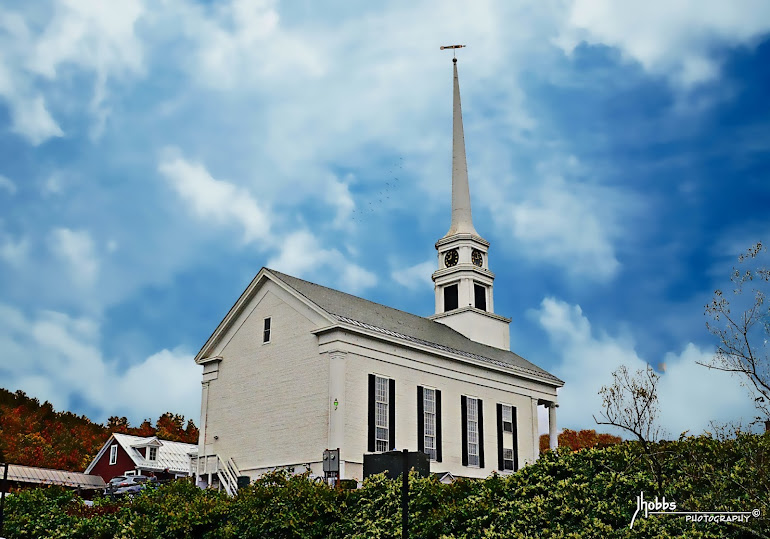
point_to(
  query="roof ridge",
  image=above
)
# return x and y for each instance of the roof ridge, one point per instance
(352, 296)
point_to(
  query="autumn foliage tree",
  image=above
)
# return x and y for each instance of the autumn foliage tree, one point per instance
(35, 434)
(583, 439)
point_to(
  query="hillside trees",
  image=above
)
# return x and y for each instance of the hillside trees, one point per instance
(741, 321)
(583, 439)
(35, 434)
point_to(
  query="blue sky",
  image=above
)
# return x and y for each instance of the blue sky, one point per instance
(155, 155)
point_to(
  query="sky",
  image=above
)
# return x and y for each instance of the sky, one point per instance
(155, 155)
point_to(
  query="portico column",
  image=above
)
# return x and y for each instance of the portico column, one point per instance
(337, 360)
(535, 432)
(554, 438)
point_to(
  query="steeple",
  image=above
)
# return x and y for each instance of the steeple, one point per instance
(463, 282)
(462, 221)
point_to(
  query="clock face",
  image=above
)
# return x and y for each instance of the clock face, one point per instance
(477, 258)
(451, 258)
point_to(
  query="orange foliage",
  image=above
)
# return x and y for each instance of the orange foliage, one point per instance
(577, 440)
(34, 434)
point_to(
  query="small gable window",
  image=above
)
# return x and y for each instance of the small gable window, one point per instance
(152, 453)
(266, 331)
(113, 454)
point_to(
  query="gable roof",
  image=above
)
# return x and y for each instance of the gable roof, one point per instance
(171, 456)
(360, 312)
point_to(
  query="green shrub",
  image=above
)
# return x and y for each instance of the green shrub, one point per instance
(590, 493)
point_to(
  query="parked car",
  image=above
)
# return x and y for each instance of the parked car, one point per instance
(131, 484)
(113, 483)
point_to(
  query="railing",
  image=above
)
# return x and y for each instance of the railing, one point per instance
(228, 475)
(227, 472)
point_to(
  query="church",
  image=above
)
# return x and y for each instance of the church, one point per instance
(296, 368)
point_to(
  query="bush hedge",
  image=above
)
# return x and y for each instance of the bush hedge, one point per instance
(589, 493)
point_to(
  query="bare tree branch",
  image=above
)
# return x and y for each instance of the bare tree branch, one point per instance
(743, 340)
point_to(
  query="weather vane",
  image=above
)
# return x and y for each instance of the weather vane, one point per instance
(455, 47)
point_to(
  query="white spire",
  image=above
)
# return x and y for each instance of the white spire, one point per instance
(462, 222)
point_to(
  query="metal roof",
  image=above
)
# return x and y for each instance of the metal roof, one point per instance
(47, 476)
(171, 456)
(389, 321)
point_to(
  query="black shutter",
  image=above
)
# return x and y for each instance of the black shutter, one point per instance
(500, 458)
(392, 415)
(464, 417)
(438, 426)
(515, 440)
(371, 414)
(481, 434)
(420, 421)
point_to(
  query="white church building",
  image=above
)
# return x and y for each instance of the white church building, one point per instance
(296, 368)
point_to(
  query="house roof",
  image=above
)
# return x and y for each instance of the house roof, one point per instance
(367, 314)
(47, 476)
(172, 456)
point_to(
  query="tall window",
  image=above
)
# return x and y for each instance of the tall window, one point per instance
(152, 453)
(473, 432)
(480, 296)
(381, 413)
(266, 331)
(429, 417)
(429, 422)
(450, 298)
(472, 416)
(507, 452)
(113, 454)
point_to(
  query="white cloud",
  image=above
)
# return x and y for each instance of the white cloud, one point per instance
(243, 41)
(7, 184)
(337, 194)
(53, 185)
(417, 276)
(32, 119)
(95, 37)
(77, 249)
(300, 253)
(674, 39)
(356, 279)
(213, 200)
(568, 224)
(13, 251)
(56, 357)
(690, 395)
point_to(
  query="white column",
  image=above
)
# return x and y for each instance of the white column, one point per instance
(535, 432)
(337, 395)
(554, 438)
(202, 422)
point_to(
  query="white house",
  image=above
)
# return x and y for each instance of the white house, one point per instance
(295, 368)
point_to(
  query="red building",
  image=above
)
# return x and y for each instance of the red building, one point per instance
(124, 454)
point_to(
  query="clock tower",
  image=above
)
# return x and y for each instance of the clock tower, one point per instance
(463, 281)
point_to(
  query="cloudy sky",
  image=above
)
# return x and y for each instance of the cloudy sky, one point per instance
(155, 155)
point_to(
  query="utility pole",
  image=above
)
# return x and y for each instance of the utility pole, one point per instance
(405, 496)
(3, 488)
